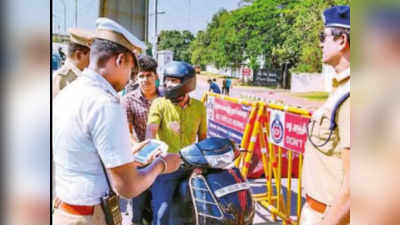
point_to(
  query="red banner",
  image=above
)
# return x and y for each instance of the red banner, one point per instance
(226, 119)
(246, 71)
(295, 132)
(288, 131)
(230, 114)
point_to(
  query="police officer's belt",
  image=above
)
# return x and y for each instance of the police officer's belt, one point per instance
(316, 205)
(82, 210)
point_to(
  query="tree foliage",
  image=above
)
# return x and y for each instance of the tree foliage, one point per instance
(282, 32)
(178, 42)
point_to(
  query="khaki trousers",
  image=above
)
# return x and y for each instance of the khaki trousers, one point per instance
(60, 217)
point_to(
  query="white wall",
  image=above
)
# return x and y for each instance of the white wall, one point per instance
(224, 71)
(306, 82)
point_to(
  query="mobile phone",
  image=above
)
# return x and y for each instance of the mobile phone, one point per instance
(152, 148)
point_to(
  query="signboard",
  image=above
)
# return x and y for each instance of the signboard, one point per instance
(131, 14)
(263, 77)
(295, 132)
(276, 127)
(246, 71)
(226, 119)
(288, 130)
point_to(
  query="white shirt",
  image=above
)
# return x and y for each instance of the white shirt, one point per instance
(88, 121)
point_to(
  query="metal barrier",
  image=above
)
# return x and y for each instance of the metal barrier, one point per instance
(257, 130)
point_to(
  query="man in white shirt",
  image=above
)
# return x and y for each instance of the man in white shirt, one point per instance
(90, 127)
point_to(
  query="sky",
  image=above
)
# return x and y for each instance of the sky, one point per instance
(192, 15)
(87, 13)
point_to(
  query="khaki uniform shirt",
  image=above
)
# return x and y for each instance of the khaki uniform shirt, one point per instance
(323, 168)
(64, 76)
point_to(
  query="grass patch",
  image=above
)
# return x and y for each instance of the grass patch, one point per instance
(252, 84)
(216, 75)
(314, 95)
(245, 84)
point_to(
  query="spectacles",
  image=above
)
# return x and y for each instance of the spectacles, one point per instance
(323, 35)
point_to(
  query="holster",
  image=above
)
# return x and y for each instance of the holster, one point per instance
(110, 203)
(112, 212)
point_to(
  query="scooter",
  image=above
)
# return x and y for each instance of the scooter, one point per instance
(214, 192)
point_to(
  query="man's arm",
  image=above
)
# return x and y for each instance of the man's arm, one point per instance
(202, 136)
(129, 182)
(110, 135)
(134, 138)
(202, 133)
(154, 119)
(151, 130)
(339, 213)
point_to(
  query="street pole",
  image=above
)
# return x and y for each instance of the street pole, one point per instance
(76, 13)
(146, 21)
(54, 24)
(155, 30)
(65, 16)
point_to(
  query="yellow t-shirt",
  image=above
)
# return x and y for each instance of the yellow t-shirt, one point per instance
(178, 127)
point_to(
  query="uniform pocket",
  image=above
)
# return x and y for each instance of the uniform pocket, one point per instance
(322, 137)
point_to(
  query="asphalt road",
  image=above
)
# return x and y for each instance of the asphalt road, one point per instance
(263, 94)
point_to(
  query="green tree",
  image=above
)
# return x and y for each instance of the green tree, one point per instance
(198, 48)
(149, 50)
(282, 32)
(178, 42)
(302, 23)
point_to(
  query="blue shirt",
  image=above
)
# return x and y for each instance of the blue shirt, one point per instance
(214, 87)
(55, 61)
(228, 83)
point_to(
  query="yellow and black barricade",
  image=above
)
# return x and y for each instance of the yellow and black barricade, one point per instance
(264, 131)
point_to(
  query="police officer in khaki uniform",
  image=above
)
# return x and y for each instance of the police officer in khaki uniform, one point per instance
(77, 59)
(91, 129)
(327, 151)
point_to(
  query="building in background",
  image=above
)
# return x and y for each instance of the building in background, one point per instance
(132, 14)
(164, 57)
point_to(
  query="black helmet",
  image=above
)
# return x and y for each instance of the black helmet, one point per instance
(183, 71)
